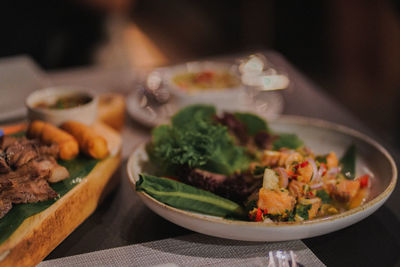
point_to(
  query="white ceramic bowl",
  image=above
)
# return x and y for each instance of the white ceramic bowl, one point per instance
(86, 113)
(210, 95)
(321, 137)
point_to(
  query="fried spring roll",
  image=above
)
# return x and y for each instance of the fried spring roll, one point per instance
(89, 142)
(49, 134)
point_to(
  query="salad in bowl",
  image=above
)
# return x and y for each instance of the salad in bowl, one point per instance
(232, 165)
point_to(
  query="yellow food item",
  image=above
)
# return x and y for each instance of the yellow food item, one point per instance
(331, 160)
(49, 134)
(270, 180)
(89, 141)
(359, 198)
(111, 110)
(203, 80)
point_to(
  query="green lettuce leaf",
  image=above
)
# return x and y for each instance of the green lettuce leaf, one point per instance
(190, 116)
(254, 123)
(195, 140)
(186, 197)
(286, 140)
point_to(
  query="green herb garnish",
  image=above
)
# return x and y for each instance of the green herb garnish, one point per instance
(321, 159)
(324, 196)
(302, 211)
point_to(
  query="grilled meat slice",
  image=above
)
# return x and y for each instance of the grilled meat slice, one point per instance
(41, 168)
(5, 183)
(58, 173)
(25, 190)
(4, 168)
(6, 140)
(48, 168)
(49, 150)
(19, 154)
(23, 150)
(5, 206)
(26, 167)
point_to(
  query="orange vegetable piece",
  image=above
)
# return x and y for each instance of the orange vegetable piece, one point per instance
(344, 190)
(359, 198)
(305, 172)
(275, 201)
(331, 160)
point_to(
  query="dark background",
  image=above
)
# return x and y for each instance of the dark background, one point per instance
(350, 48)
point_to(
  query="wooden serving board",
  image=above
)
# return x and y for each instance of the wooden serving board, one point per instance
(38, 235)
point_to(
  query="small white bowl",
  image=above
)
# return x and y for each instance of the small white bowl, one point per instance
(209, 95)
(86, 113)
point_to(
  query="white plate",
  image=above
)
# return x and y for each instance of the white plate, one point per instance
(199, 66)
(321, 137)
(19, 76)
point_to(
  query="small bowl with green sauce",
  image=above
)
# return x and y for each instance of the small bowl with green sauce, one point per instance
(59, 104)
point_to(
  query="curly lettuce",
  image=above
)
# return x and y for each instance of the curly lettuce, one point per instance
(195, 140)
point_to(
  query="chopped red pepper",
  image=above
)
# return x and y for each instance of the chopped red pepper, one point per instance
(290, 173)
(265, 211)
(323, 165)
(259, 216)
(205, 76)
(363, 180)
(311, 193)
(304, 164)
(301, 165)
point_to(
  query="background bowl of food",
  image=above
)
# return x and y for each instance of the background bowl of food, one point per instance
(59, 104)
(204, 82)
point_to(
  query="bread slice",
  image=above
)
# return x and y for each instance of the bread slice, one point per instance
(38, 235)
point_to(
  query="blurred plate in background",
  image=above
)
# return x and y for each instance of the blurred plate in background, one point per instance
(266, 104)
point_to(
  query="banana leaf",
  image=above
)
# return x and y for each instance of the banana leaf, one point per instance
(78, 168)
(186, 197)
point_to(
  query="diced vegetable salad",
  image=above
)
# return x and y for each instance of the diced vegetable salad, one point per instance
(232, 165)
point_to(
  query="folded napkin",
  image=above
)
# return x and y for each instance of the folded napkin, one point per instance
(189, 250)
